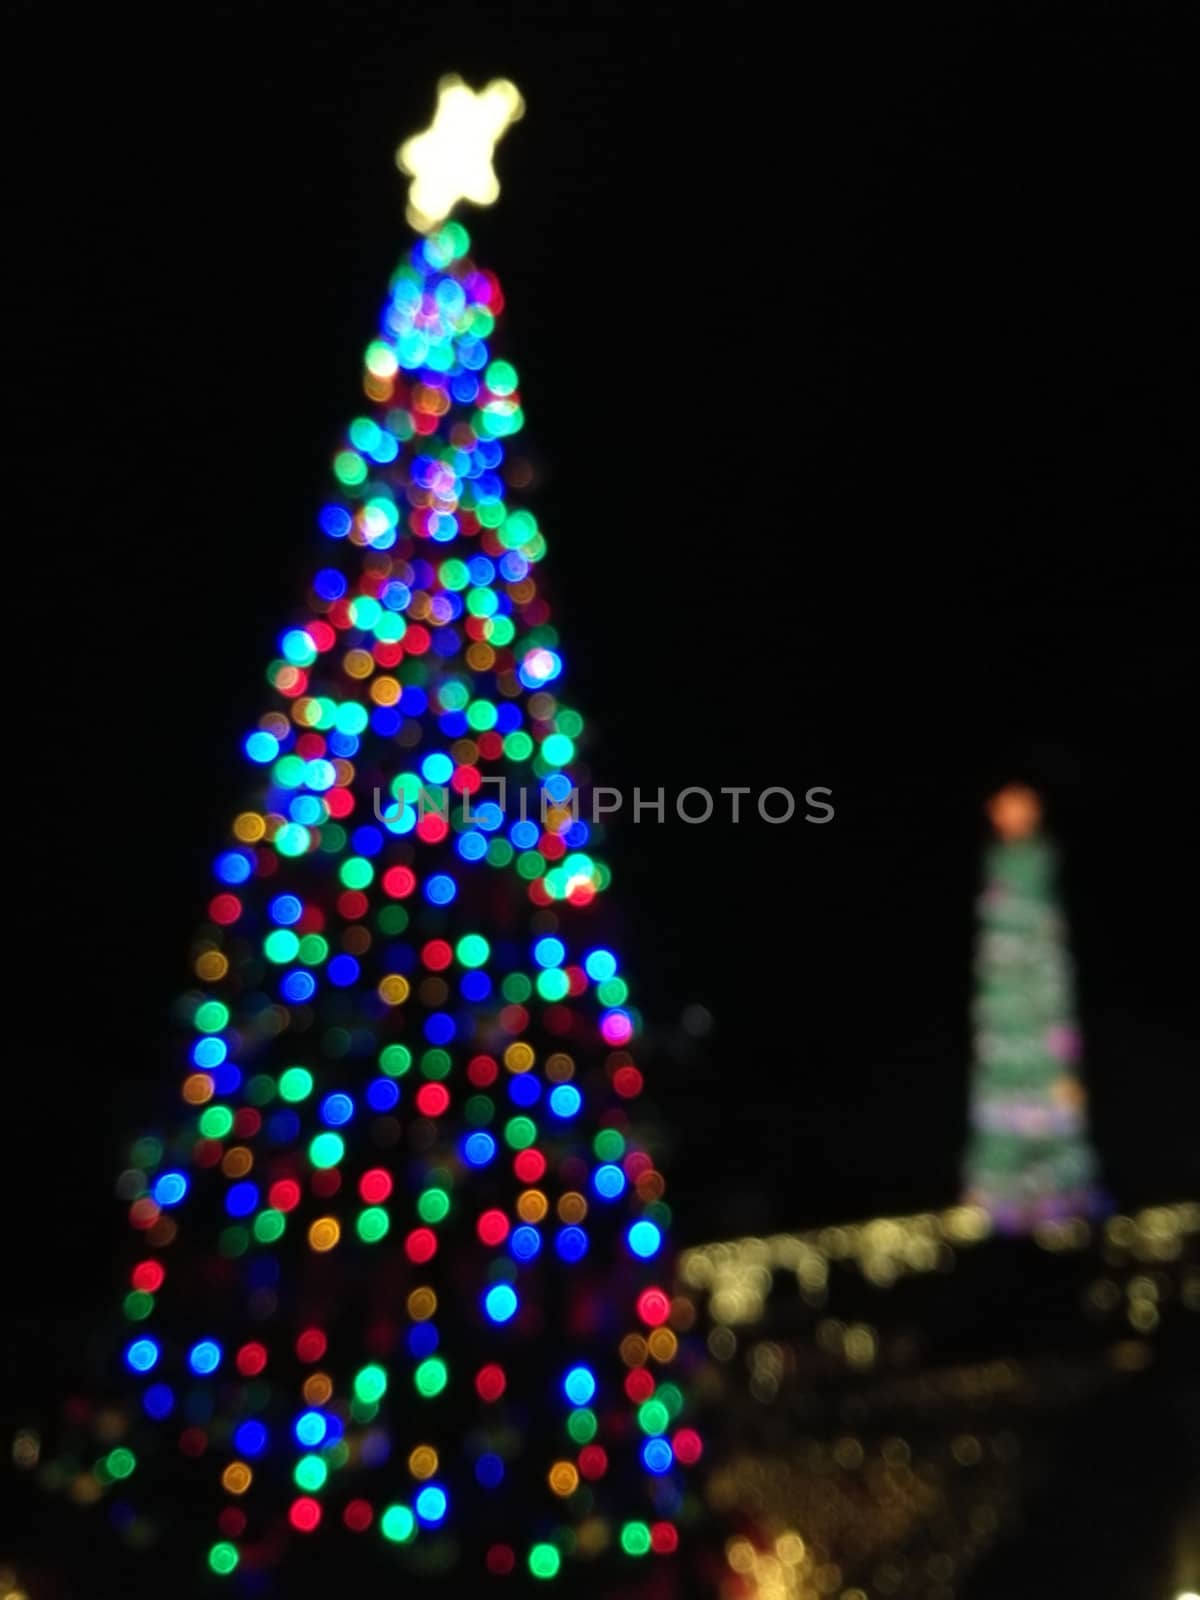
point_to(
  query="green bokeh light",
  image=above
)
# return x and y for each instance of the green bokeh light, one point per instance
(431, 1377)
(370, 1384)
(544, 1561)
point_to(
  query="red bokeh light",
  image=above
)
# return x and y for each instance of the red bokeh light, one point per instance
(490, 1382)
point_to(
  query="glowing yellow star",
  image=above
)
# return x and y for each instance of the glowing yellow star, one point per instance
(452, 159)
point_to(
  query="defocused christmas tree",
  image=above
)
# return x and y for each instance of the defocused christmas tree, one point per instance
(1028, 1159)
(401, 1271)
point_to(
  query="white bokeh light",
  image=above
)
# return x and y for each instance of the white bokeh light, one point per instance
(452, 159)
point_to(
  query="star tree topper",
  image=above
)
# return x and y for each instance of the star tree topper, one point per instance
(452, 159)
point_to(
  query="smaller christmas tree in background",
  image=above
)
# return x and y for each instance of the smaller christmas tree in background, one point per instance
(1029, 1159)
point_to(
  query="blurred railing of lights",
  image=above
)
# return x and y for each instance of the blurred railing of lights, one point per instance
(737, 1275)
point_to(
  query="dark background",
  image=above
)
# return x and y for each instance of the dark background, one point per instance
(854, 361)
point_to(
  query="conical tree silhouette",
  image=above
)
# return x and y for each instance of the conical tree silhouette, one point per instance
(1028, 1157)
(400, 1270)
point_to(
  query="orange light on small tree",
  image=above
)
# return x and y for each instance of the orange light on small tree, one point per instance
(1015, 812)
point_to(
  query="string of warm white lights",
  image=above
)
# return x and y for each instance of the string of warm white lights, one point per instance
(863, 1469)
(736, 1276)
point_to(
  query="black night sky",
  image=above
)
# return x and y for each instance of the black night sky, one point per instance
(854, 363)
